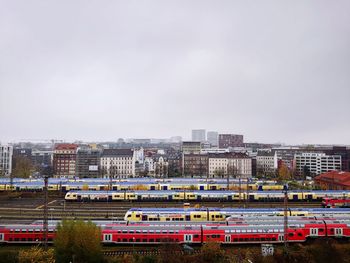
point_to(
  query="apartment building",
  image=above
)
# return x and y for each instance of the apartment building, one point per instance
(118, 163)
(234, 164)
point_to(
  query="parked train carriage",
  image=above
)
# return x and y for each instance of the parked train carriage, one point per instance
(338, 229)
(152, 234)
(25, 234)
(151, 196)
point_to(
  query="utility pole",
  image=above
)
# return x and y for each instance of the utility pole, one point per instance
(285, 219)
(45, 222)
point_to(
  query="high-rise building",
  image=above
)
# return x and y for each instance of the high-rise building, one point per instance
(198, 135)
(64, 160)
(213, 138)
(230, 140)
(6, 152)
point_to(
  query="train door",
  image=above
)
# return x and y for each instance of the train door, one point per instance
(107, 237)
(201, 187)
(314, 232)
(144, 218)
(165, 187)
(170, 198)
(227, 238)
(153, 187)
(295, 197)
(280, 238)
(1, 237)
(338, 232)
(188, 238)
(308, 197)
(188, 217)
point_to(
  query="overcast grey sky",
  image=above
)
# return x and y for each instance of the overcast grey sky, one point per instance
(275, 71)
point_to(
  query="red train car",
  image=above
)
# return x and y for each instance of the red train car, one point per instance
(262, 232)
(335, 203)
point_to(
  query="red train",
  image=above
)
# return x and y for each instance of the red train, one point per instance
(264, 232)
(335, 203)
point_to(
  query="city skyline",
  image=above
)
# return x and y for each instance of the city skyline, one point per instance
(272, 71)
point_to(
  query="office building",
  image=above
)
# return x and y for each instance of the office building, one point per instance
(6, 153)
(230, 140)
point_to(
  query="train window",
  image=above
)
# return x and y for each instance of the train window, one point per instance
(273, 239)
(17, 230)
(300, 234)
(16, 239)
(144, 231)
(118, 239)
(24, 230)
(157, 231)
(125, 240)
(10, 239)
(131, 239)
(164, 231)
(320, 230)
(23, 239)
(131, 231)
(291, 234)
(138, 231)
(151, 240)
(119, 231)
(196, 236)
(125, 231)
(137, 215)
(144, 240)
(31, 239)
(157, 240)
(167, 219)
(151, 231)
(171, 231)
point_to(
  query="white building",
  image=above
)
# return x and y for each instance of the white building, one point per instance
(266, 161)
(317, 163)
(6, 152)
(118, 162)
(234, 164)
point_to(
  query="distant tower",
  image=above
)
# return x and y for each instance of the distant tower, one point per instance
(198, 135)
(213, 138)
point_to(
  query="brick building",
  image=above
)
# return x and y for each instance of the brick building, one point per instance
(333, 180)
(195, 164)
(64, 160)
(230, 140)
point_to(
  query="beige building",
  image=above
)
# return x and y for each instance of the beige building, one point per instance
(234, 164)
(118, 163)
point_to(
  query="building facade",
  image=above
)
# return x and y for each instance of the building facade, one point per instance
(191, 147)
(195, 164)
(64, 160)
(88, 162)
(198, 135)
(6, 153)
(118, 163)
(266, 162)
(230, 140)
(233, 164)
(317, 163)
